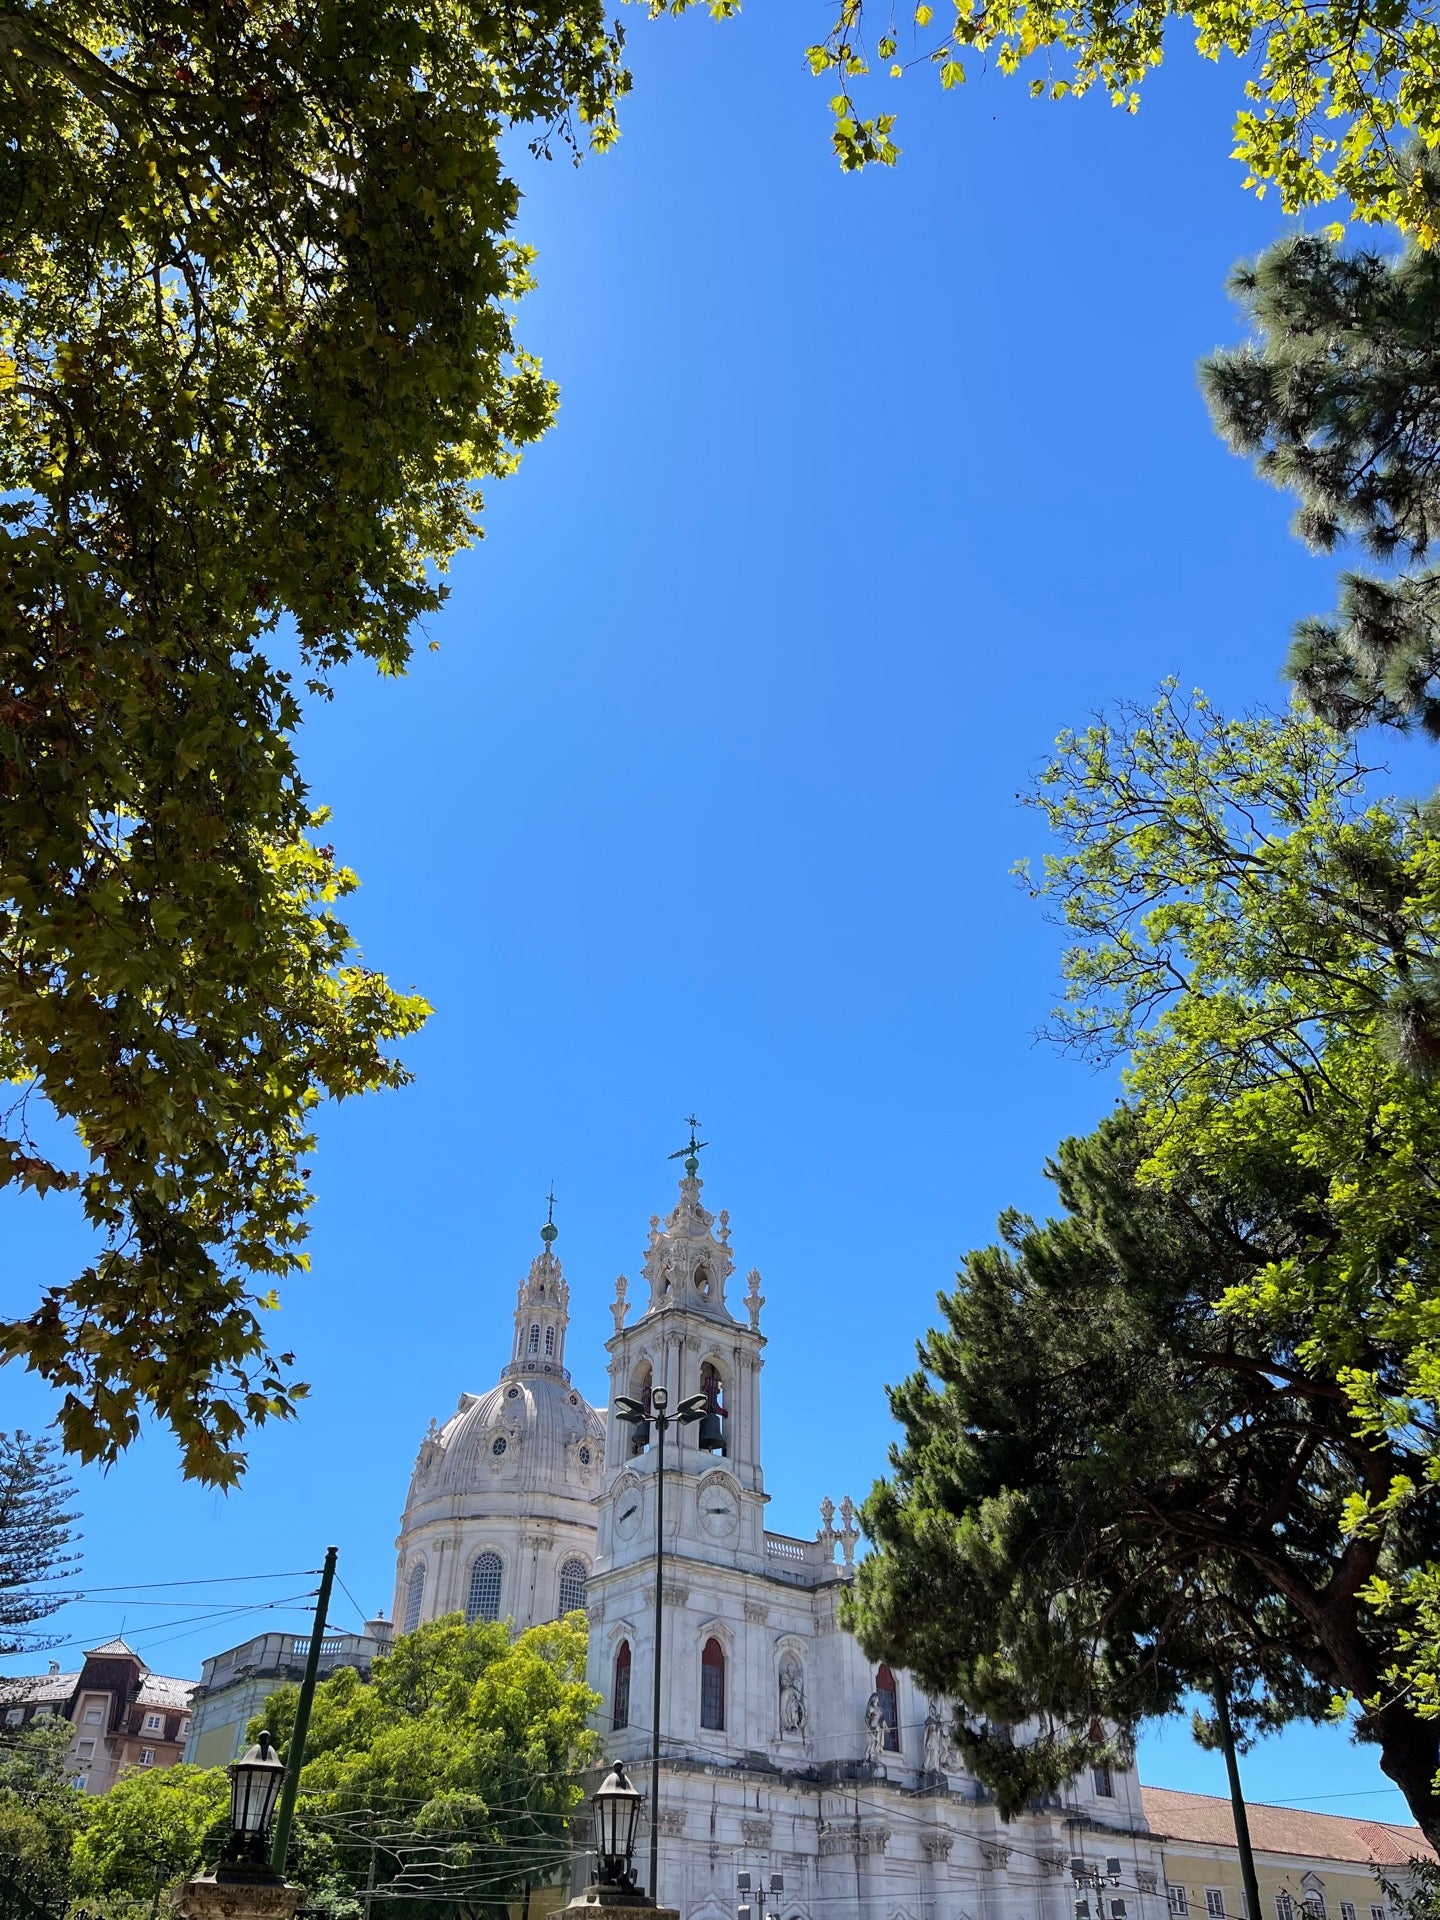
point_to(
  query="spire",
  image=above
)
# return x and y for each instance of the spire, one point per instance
(542, 1309)
(688, 1259)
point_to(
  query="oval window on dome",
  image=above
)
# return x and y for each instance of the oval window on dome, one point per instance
(584, 1456)
(513, 1394)
(497, 1447)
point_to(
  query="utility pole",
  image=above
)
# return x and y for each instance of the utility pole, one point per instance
(662, 1398)
(657, 1414)
(295, 1759)
(1237, 1801)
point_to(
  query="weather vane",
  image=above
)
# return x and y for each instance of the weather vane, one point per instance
(691, 1152)
(549, 1231)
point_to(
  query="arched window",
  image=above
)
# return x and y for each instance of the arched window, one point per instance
(549, 1343)
(534, 1339)
(414, 1597)
(573, 1576)
(483, 1602)
(889, 1708)
(712, 1687)
(620, 1695)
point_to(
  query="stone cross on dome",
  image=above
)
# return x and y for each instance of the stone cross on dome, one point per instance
(542, 1309)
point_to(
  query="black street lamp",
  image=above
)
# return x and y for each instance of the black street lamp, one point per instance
(658, 1416)
(617, 1815)
(254, 1787)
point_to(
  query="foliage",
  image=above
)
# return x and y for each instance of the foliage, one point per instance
(40, 1813)
(157, 1825)
(36, 1527)
(1336, 395)
(1332, 93)
(1108, 1491)
(1235, 1331)
(476, 1741)
(256, 351)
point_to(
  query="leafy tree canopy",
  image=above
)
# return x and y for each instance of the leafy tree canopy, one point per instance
(1255, 935)
(1336, 396)
(155, 1826)
(36, 1527)
(1330, 95)
(1109, 1492)
(459, 1757)
(257, 350)
(40, 1813)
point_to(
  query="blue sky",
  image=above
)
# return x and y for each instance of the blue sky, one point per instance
(862, 488)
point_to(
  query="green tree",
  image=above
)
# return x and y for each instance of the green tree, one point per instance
(1336, 396)
(1109, 1492)
(1331, 95)
(257, 352)
(1255, 937)
(156, 1826)
(36, 1526)
(40, 1813)
(458, 1761)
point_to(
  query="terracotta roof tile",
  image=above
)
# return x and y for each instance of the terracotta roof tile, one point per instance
(1206, 1818)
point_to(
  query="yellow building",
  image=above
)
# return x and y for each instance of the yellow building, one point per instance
(1311, 1866)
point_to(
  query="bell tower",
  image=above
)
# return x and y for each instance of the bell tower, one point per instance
(687, 1340)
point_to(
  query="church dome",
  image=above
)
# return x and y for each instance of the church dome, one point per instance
(531, 1434)
(499, 1521)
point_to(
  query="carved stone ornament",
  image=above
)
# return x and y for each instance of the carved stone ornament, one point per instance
(675, 1596)
(756, 1612)
(874, 1838)
(1055, 1863)
(754, 1299)
(429, 1448)
(1146, 1879)
(936, 1846)
(994, 1853)
(207, 1899)
(619, 1305)
(685, 1262)
(757, 1833)
(671, 1821)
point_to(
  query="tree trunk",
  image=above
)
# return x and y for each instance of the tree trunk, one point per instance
(1410, 1755)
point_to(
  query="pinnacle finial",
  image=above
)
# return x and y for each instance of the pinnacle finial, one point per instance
(690, 1153)
(549, 1233)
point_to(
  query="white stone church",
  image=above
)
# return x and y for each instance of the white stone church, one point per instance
(785, 1752)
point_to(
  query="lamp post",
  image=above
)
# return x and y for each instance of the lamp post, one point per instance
(613, 1891)
(658, 1414)
(244, 1885)
(255, 1780)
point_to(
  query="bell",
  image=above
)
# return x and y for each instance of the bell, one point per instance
(639, 1438)
(710, 1434)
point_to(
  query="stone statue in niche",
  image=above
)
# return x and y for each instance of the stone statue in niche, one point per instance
(937, 1742)
(792, 1696)
(874, 1729)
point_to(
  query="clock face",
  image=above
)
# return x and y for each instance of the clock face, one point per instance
(627, 1512)
(719, 1511)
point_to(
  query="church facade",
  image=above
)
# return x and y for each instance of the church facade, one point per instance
(787, 1756)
